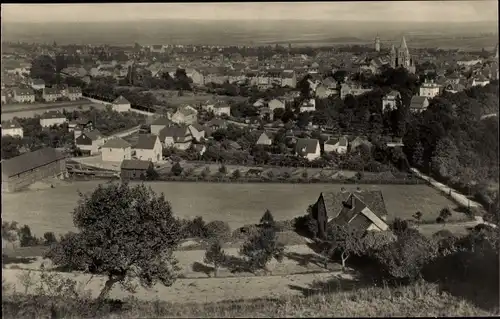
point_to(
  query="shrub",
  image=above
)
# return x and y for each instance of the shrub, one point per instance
(261, 248)
(444, 214)
(176, 169)
(205, 172)
(358, 176)
(26, 239)
(305, 174)
(196, 228)
(267, 219)
(50, 238)
(236, 174)
(404, 258)
(245, 232)
(306, 225)
(215, 255)
(218, 229)
(223, 169)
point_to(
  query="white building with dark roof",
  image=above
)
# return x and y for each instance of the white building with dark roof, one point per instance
(121, 104)
(12, 128)
(148, 148)
(24, 95)
(116, 149)
(51, 118)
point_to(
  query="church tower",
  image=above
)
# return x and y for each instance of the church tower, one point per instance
(377, 44)
(393, 57)
(403, 54)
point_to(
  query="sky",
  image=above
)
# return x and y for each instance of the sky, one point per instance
(397, 11)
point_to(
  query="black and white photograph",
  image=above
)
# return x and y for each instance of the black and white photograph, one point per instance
(250, 159)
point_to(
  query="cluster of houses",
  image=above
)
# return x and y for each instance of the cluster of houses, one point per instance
(48, 94)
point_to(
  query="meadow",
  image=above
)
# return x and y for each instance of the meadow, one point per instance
(27, 111)
(238, 204)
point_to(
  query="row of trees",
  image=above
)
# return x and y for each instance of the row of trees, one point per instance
(451, 142)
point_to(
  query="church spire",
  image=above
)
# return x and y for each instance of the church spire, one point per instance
(393, 50)
(403, 45)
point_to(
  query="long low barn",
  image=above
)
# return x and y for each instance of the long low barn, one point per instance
(21, 171)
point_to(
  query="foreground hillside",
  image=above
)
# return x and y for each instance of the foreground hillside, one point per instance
(420, 299)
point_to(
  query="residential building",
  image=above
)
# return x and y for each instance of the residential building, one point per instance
(390, 100)
(265, 139)
(362, 210)
(4, 97)
(116, 149)
(52, 118)
(12, 128)
(308, 148)
(159, 124)
(308, 106)
(121, 104)
(177, 137)
(338, 145)
(134, 169)
(28, 168)
(148, 148)
(80, 125)
(480, 80)
(185, 115)
(24, 95)
(37, 84)
(289, 78)
(357, 141)
(419, 103)
(429, 89)
(51, 94)
(73, 93)
(221, 108)
(352, 89)
(276, 104)
(90, 143)
(197, 131)
(216, 124)
(322, 92)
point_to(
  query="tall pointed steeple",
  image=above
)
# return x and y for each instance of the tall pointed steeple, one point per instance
(403, 45)
(496, 52)
(393, 50)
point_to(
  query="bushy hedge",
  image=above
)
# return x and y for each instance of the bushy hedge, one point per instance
(281, 179)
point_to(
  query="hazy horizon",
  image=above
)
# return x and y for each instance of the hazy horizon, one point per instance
(257, 23)
(398, 11)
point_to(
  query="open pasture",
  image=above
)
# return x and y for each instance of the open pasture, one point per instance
(238, 204)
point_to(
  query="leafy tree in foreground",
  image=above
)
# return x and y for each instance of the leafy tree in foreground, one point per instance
(405, 257)
(125, 233)
(345, 240)
(215, 255)
(260, 248)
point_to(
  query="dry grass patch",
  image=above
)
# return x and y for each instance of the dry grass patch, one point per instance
(420, 299)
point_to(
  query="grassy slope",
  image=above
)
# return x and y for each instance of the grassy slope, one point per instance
(420, 299)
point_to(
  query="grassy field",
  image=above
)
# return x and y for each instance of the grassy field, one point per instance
(172, 98)
(335, 298)
(40, 110)
(240, 204)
